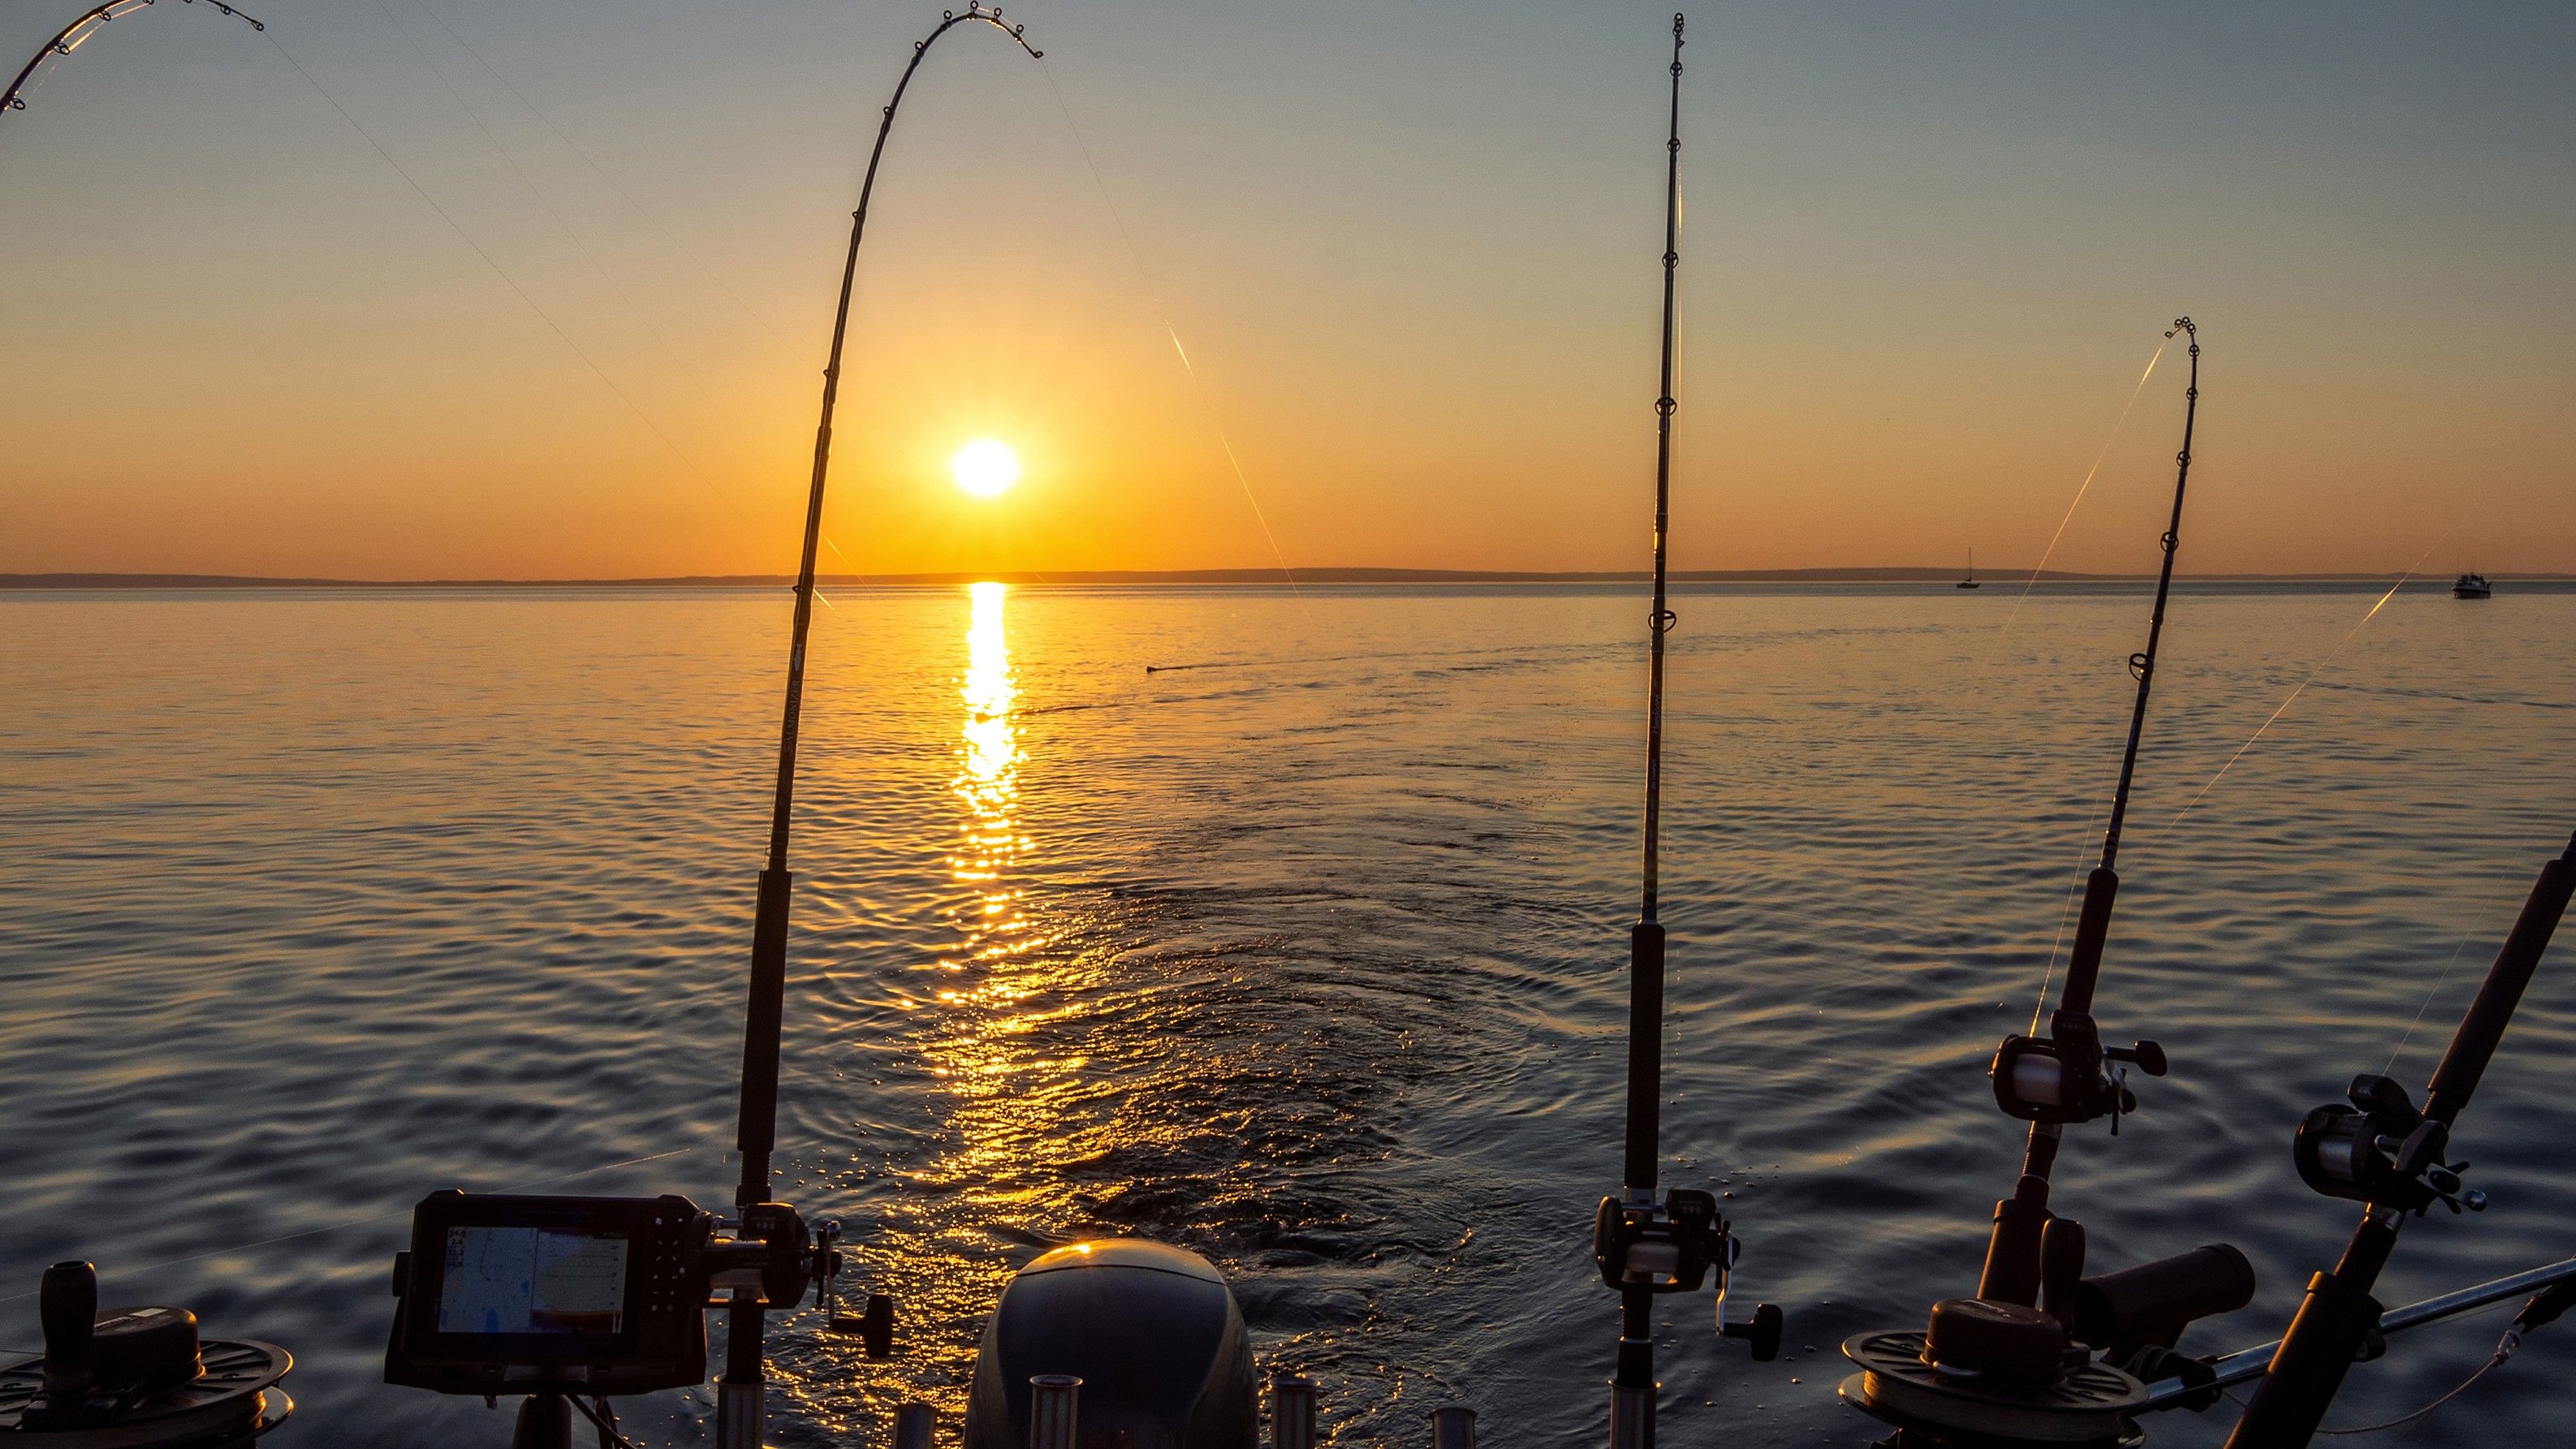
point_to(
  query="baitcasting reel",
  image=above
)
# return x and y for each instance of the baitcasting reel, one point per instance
(1669, 1247)
(2068, 1075)
(2381, 1150)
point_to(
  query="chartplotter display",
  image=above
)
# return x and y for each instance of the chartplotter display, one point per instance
(532, 1280)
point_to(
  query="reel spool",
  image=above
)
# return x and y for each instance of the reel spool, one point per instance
(136, 1378)
(1986, 1375)
(2089, 1406)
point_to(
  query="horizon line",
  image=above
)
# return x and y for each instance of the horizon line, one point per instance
(1321, 575)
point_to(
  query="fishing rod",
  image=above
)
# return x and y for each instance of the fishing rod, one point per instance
(1644, 1246)
(71, 37)
(1978, 1363)
(2386, 1154)
(564, 1301)
(2067, 1076)
(739, 1392)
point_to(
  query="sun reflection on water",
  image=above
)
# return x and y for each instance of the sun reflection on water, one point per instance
(983, 1057)
(988, 773)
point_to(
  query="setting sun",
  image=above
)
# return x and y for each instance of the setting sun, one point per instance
(985, 467)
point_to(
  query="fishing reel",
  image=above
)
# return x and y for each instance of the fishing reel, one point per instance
(2069, 1075)
(1670, 1247)
(2381, 1150)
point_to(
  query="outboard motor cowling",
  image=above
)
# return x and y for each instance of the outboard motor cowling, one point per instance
(1151, 1331)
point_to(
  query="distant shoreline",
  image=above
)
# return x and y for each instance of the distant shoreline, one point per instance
(1130, 577)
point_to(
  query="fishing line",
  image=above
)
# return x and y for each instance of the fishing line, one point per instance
(561, 224)
(2503, 1350)
(710, 273)
(497, 269)
(2080, 488)
(2294, 695)
(596, 169)
(2074, 888)
(375, 1218)
(686, 461)
(2493, 899)
(2456, 952)
(1198, 388)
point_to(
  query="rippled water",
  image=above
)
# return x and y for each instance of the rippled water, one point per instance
(1308, 955)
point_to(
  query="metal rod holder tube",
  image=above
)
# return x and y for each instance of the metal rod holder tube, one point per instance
(914, 1424)
(1052, 1401)
(2246, 1365)
(1453, 1428)
(1292, 1412)
(1632, 1417)
(738, 1414)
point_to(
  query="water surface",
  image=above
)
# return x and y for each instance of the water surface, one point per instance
(1308, 955)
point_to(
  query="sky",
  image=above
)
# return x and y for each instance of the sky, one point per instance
(465, 288)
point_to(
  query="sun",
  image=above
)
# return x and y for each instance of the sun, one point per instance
(985, 467)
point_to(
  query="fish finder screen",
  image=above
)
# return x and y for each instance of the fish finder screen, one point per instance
(532, 1280)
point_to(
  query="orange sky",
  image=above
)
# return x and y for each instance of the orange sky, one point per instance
(1410, 250)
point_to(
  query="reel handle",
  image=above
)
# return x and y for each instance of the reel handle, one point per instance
(2146, 1056)
(67, 1309)
(1762, 1330)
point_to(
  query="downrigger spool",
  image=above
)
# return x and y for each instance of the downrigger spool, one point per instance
(136, 1378)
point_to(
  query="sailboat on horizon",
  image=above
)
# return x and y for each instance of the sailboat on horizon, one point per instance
(1970, 581)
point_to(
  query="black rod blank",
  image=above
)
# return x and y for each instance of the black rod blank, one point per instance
(2338, 1312)
(765, 1008)
(1633, 1417)
(2084, 963)
(2011, 1271)
(1646, 939)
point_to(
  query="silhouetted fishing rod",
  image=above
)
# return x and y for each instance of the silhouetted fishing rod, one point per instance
(2066, 1076)
(71, 37)
(2393, 1159)
(739, 1410)
(2015, 1363)
(1642, 1245)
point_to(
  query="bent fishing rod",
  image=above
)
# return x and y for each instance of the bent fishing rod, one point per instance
(71, 37)
(2394, 1159)
(2069, 1076)
(1645, 1246)
(739, 1391)
(2014, 1363)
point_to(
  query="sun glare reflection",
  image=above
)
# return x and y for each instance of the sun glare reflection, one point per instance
(1005, 986)
(988, 772)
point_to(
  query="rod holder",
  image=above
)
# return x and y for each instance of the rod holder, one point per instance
(1632, 1417)
(914, 1425)
(1453, 1428)
(544, 1422)
(738, 1413)
(1292, 1412)
(1053, 1399)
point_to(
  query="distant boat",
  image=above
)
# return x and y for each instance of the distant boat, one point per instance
(2470, 586)
(1970, 581)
